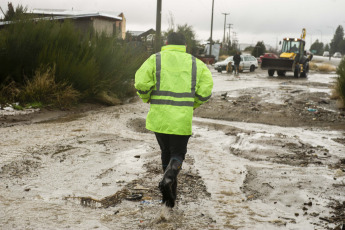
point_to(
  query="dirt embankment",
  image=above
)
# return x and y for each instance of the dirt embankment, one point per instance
(298, 108)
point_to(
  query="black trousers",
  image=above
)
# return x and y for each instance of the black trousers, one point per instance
(172, 147)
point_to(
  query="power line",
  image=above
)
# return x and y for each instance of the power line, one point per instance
(229, 27)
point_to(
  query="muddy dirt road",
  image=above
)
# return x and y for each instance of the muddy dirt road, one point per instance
(266, 153)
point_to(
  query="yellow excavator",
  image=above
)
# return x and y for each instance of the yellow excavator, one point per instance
(293, 58)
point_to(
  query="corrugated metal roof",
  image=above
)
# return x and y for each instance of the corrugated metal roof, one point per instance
(57, 12)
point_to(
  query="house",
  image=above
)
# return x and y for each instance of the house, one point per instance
(142, 35)
(110, 23)
(142, 38)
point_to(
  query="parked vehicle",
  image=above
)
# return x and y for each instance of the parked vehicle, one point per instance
(268, 55)
(326, 54)
(221, 65)
(337, 55)
(248, 62)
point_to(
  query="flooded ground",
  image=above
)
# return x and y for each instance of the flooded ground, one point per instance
(266, 153)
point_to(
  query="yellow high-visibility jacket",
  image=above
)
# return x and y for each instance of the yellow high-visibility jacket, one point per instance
(175, 83)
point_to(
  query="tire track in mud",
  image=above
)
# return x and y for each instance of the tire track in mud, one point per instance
(224, 174)
(276, 182)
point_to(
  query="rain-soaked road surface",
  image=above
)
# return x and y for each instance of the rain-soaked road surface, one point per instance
(237, 175)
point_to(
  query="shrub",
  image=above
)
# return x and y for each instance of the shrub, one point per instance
(117, 64)
(43, 89)
(326, 68)
(9, 92)
(90, 63)
(313, 66)
(340, 84)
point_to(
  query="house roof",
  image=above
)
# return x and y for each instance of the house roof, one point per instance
(76, 14)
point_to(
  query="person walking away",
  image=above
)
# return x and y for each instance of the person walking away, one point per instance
(174, 83)
(237, 60)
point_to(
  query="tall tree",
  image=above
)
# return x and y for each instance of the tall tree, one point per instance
(342, 47)
(189, 34)
(336, 42)
(326, 47)
(317, 47)
(259, 49)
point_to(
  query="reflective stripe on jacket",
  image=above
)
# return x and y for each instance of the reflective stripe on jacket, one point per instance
(175, 83)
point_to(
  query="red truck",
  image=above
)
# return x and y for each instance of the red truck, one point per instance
(268, 55)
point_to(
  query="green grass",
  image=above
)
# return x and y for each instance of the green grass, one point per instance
(17, 107)
(34, 105)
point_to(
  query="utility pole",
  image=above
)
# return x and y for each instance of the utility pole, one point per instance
(211, 28)
(234, 34)
(225, 14)
(158, 26)
(229, 27)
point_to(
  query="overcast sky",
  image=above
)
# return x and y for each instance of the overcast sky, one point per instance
(253, 20)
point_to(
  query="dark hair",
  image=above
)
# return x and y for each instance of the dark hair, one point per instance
(176, 39)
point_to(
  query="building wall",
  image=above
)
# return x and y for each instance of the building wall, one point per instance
(110, 27)
(103, 25)
(83, 24)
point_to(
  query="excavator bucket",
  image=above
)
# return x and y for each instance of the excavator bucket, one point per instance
(277, 64)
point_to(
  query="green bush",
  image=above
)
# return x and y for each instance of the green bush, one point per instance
(340, 84)
(91, 63)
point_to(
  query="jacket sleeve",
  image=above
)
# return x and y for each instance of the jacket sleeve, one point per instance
(145, 80)
(203, 89)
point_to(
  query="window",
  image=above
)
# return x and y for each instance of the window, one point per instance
(291, 46)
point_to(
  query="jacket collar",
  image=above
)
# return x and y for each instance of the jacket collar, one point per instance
(180, 48)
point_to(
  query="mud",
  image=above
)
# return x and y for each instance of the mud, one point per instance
(297, 108)
(257, 159)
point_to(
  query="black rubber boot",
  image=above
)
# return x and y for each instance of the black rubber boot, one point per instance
(168, 184)
(160, 186)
